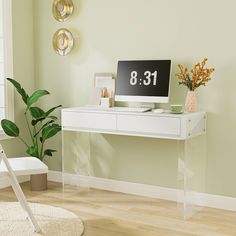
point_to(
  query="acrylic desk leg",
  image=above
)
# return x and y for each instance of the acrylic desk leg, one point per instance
(89, 156)
(63, 164)
(181, 180)
(191, 173)
(76, 158)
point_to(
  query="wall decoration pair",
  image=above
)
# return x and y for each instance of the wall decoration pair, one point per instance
(63, 40)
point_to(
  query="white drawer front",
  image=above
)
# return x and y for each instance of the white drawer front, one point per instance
(149, 124)
(86, 120)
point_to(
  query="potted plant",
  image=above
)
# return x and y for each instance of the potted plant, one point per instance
(41, 126)
(198, 75)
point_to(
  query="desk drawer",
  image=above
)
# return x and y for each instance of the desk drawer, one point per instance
(88, 120)
(149, 125)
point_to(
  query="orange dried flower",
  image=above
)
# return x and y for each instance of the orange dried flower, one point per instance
(199, 75)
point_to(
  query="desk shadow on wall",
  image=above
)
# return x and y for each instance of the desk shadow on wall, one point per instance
(133, 159)
(87, 153)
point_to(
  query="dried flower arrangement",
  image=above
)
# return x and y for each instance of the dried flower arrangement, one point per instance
(199, 75)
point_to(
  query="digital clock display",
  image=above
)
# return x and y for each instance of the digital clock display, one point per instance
(143, 78)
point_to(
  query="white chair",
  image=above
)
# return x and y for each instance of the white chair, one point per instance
(13, 167)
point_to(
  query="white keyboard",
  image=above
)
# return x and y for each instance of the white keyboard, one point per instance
(116, 109)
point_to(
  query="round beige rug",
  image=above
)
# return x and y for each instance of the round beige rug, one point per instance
(53, 221)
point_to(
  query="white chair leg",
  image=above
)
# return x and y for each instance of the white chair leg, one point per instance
(19, 193)
(21, 198)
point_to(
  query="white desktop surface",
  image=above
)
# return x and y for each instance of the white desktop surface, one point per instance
(147, 124)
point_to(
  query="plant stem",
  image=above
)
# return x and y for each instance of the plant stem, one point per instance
(42, 127)
(29, 128)
(23, 141)
(35, 139)
(41, 152)
(34, 132)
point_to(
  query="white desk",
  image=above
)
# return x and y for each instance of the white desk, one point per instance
(148, 124)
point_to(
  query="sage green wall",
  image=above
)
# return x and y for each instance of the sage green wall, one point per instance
(109, 30)
(23, 66)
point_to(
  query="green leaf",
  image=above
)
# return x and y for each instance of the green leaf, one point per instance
(34, 122)
(52, 117)
(51, 110)
(35, 96)
(37, 112)
(50, 131)
(45, 125)
(33, 151)
(39, 115)
(20, 90)
(10, 128)
(48, 152)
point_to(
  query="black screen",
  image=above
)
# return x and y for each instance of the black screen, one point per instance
(143, 78)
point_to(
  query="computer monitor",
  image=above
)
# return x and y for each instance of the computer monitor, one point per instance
(143, 81)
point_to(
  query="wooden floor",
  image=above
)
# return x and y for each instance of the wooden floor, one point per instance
(115, 214)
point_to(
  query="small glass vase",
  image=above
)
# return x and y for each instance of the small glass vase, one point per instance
(190, 102)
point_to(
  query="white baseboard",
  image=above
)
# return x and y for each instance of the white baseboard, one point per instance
(4, 181)
(202, 199)
(115, 185)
